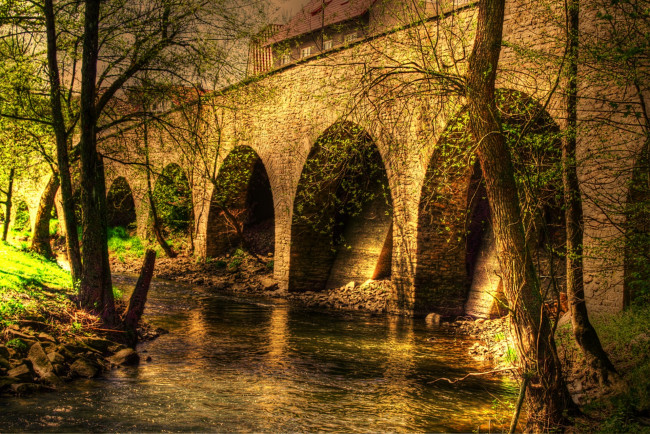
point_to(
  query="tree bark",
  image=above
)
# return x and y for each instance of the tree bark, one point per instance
(139, 297)
(9, 196)
(58, 123)
(547, 396)
(96, 292)
(157, 227)
(583, 331)
(41, 236)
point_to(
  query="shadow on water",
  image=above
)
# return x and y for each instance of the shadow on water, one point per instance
(231, 364)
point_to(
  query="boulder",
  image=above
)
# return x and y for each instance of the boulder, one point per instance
(98, 344)
(7, 381)
(40, 362)
(45, 337)
(432, 319)
(125, 357)
(60, 369)
(51, 379)
(56, 358)
(84, 368)
(23, 388)
(268, 284)
(21, 372)
(4, 363)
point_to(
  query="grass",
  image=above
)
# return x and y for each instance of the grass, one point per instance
(123, 245)
(29, 283)
(626, 338)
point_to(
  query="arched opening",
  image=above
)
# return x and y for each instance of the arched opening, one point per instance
(458, 271)
(173, 200)
(241, 209)
(637, 233)
(120, 206)
(342, 217)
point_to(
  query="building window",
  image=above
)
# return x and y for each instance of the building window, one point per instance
(327, 45)
(285, 58)
(305, 52)
(350, 37)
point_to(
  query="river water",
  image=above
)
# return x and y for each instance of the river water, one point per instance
(237, 364)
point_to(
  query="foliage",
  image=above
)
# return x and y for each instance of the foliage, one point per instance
(173, 199)
(343, 174)
(21, 221)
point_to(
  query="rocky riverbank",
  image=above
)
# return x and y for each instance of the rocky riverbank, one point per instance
(32, 360)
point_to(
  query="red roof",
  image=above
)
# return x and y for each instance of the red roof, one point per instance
(311, 18)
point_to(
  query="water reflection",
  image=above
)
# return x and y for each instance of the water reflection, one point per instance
(242, 365)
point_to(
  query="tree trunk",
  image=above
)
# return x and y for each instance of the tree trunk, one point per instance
(41, 236)
(9, 195)
(157, 227)
(584, 333)
(139, 297)
(58, 122)
(547, 396)
(96, 292)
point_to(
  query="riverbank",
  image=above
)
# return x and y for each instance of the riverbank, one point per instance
(45, 340)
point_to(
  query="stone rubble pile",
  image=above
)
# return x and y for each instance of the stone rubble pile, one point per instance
(495, 345)
(371, 296)
(31, 361)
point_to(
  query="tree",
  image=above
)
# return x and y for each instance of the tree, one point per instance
(583, 331)
(547, 395)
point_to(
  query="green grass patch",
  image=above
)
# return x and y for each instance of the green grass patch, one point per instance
(123, 245)
(23, 277)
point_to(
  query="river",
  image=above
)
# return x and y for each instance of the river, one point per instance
(240, 364)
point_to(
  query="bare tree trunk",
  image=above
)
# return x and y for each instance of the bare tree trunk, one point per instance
(9, 195)
(58, 122)
(41, 236)
(157, 227)
(139, 297)
(96, 292)
(547, 396)
(584, 333)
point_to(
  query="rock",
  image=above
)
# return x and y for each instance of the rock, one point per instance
(23, 388)
(268, 284)
(125, 357)
(4, 352)
(4, 363)
(7, 381)
(46, 337)
(84, 368)
(432, 319)
(98, 344)
(51, 379)
(350, 286)
(39, 359)
(21, 372)
(56, 358)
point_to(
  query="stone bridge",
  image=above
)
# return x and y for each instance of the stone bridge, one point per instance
(417, 238)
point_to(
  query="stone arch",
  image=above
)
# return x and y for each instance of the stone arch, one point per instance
(341, 229)
(241, 206)
(120, 204)
(172, 195)
(457, 268)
